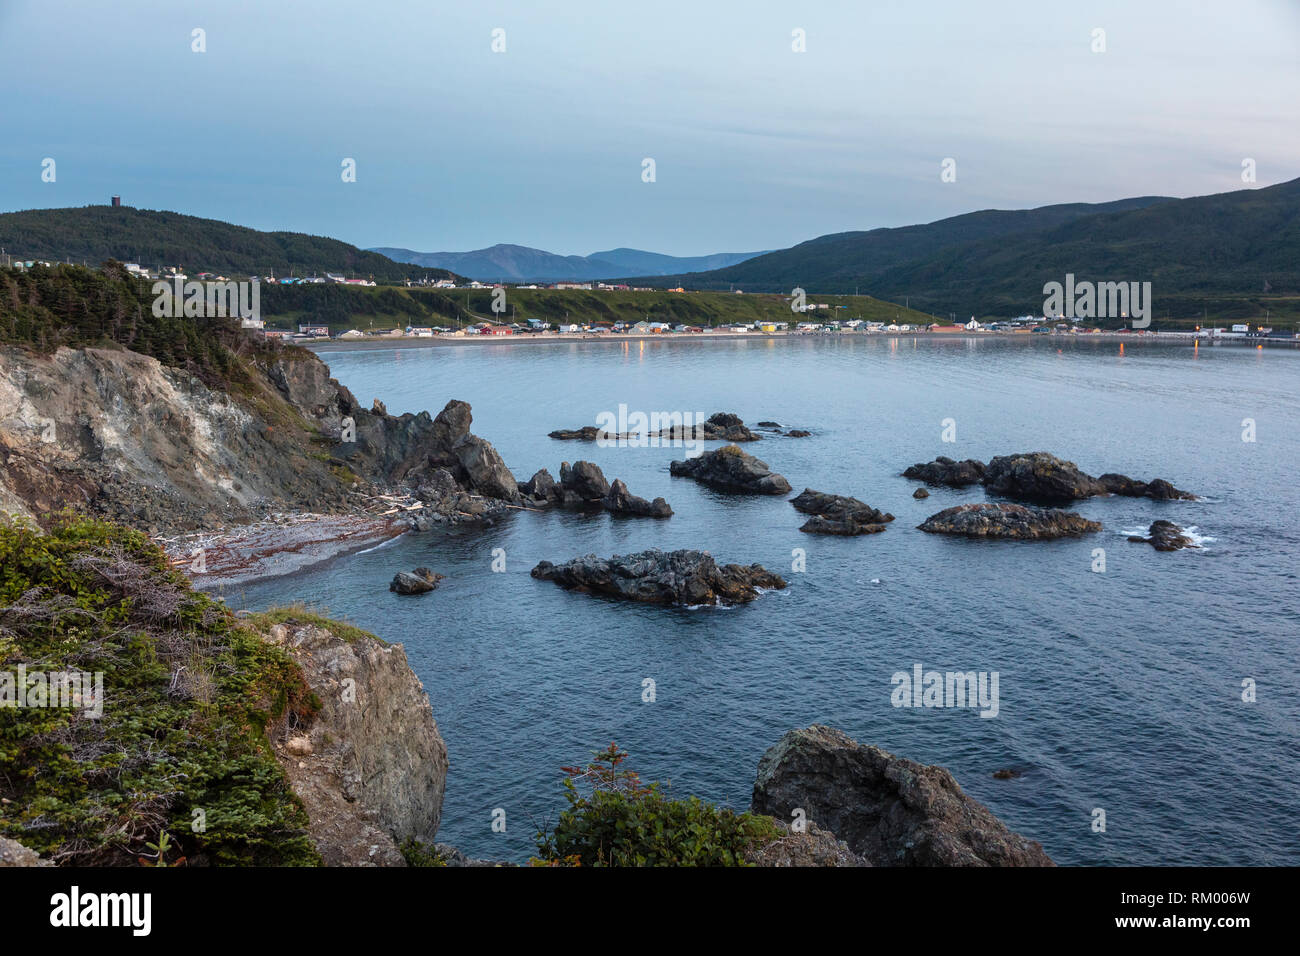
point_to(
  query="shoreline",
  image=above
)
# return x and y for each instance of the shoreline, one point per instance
(279, 546)
(526, 340)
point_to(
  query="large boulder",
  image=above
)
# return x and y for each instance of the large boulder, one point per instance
(891, 811)
(837, 514)
(621, 501)
(945, 471)
(687, 578)
(1039, 476)
(370, 767)
(585, 479)
(1165, 536)
(488, 474)
(419, 581)
(989, 520)
(731, 469)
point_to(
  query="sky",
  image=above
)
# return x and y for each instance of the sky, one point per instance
(755, 145)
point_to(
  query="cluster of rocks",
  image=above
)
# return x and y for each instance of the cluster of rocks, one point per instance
(887, 810)
(792, 433)
(583, 485)
(1040, 476)
(993, 520)
(682, 578)
(720, 426)
(419, 581)
(836, 514)
(1165, 536)
(729, 468)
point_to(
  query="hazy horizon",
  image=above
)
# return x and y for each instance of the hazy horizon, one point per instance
(756, 146)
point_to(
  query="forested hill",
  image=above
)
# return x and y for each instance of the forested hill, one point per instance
(1230, 253)
(155, 239)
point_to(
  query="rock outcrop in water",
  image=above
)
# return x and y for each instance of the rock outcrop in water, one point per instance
(836, 514)
(720, 426)
(731, 469)
(685, 578)
(583, 485)
(945, 471)
(419, 581)
(371, 767)
(1165, 536)
(1039, 476)
(990, 520)
(889, 810)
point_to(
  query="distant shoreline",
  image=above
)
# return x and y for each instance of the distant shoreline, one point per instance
(470, 341)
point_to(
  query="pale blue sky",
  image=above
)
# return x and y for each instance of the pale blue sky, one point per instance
(756, 146)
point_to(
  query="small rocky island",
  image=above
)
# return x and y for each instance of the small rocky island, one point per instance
(419, 581)
(836, 514)
(729, 468)
(1165, 536)
(674, 578)
(583, 485)
(1040, 476)
(720, 426)
(1019, 522)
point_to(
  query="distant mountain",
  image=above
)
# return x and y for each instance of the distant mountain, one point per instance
(522, 264)
(156, 238)
(995, 262)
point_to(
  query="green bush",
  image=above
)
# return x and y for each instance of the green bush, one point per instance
(618, 821)
(180, 746)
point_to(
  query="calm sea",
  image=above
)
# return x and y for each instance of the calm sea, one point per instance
(1119, 691)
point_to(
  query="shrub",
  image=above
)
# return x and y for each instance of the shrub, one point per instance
(612, 819)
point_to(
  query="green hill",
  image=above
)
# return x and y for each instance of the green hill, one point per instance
(155, 239)
(1210, 252)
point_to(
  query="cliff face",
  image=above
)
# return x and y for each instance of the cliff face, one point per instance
(119, 435)
(371, 767)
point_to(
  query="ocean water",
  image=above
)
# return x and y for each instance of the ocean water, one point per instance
(1118, 690)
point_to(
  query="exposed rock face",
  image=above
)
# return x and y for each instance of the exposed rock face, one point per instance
(1165, 536)
(892, 811)
(945, 471)
(836, 514)
(686, 578)
(419, 581)
(812, 847)
(731, 469)
(372, 769)
(724, 426)
(13, 853)
(487, 473)
(989, 520)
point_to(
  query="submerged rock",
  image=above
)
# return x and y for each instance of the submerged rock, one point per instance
(731, 469)
(920, 493)
(945, 471)
(889, 810)
(1156, 488)
(685, 578)
(837, 514)
(797, 433)
(419, 581)
(1165, 536)
(585, 433)
(990, 520)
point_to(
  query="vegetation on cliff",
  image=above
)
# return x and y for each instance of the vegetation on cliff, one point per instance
(177, 764)
(613, 819)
